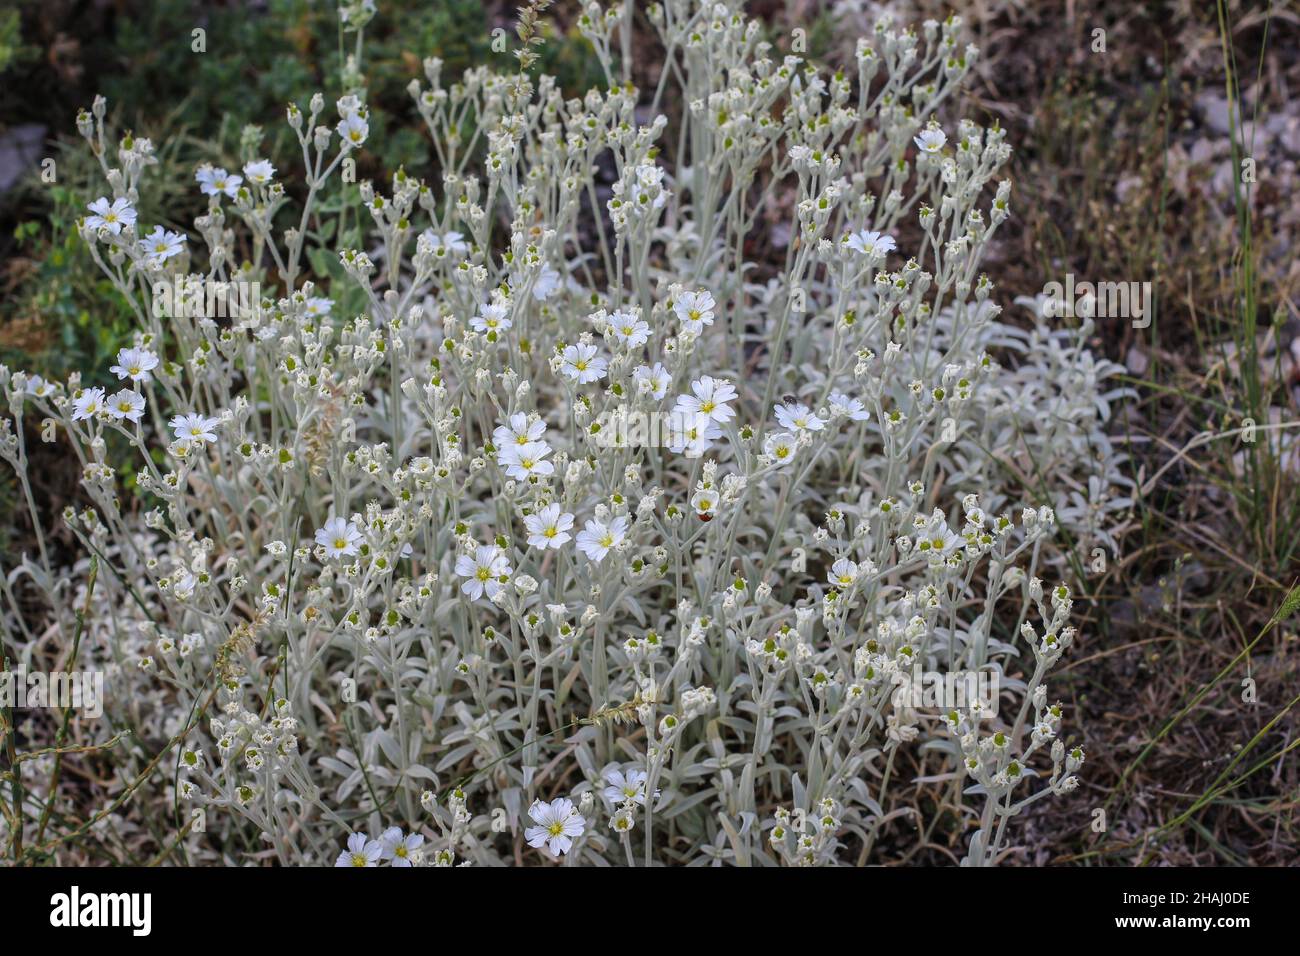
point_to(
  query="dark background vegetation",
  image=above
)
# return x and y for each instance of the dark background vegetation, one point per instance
(1124, 171)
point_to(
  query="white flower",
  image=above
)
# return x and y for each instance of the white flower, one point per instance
(491, 318)
(625, 786)
(798, 416)
(184, 584)
(853, 408)
(548, 528)
(111, 217)
(194, 428)
(354, 129)
(652, 381)
(558, 822)
(710, 399)
(596, 538)
(931, 140)
(622, 821)
(780, 446)
(581, 363)
(398, 849)
(447, 242)
(135, 364)
(519, 431)
(705, 504)
(645, 189)
(214, 181)
(871, 244)
(842, 573)
(938, 540)
(361, 851)
(259, 172)
(484, 571)
(695, 310)
(629, 330)
(160, 245)
(128, 404)
(546, 284)
(365, 9)
(338, 537)
(88, 404)
(318, 306)
(524, 461)
(691, 433)
(38, 386)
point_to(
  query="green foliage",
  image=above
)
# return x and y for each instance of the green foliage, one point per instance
(12, 49)
(84, 320)
(255, 62)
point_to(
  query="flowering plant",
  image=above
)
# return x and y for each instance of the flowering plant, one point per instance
(391, 560)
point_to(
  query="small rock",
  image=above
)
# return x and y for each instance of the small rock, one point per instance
(1136, 361)
(20, 152)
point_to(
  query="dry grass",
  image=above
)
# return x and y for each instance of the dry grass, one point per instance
(1175, 624)
(1120, 176)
